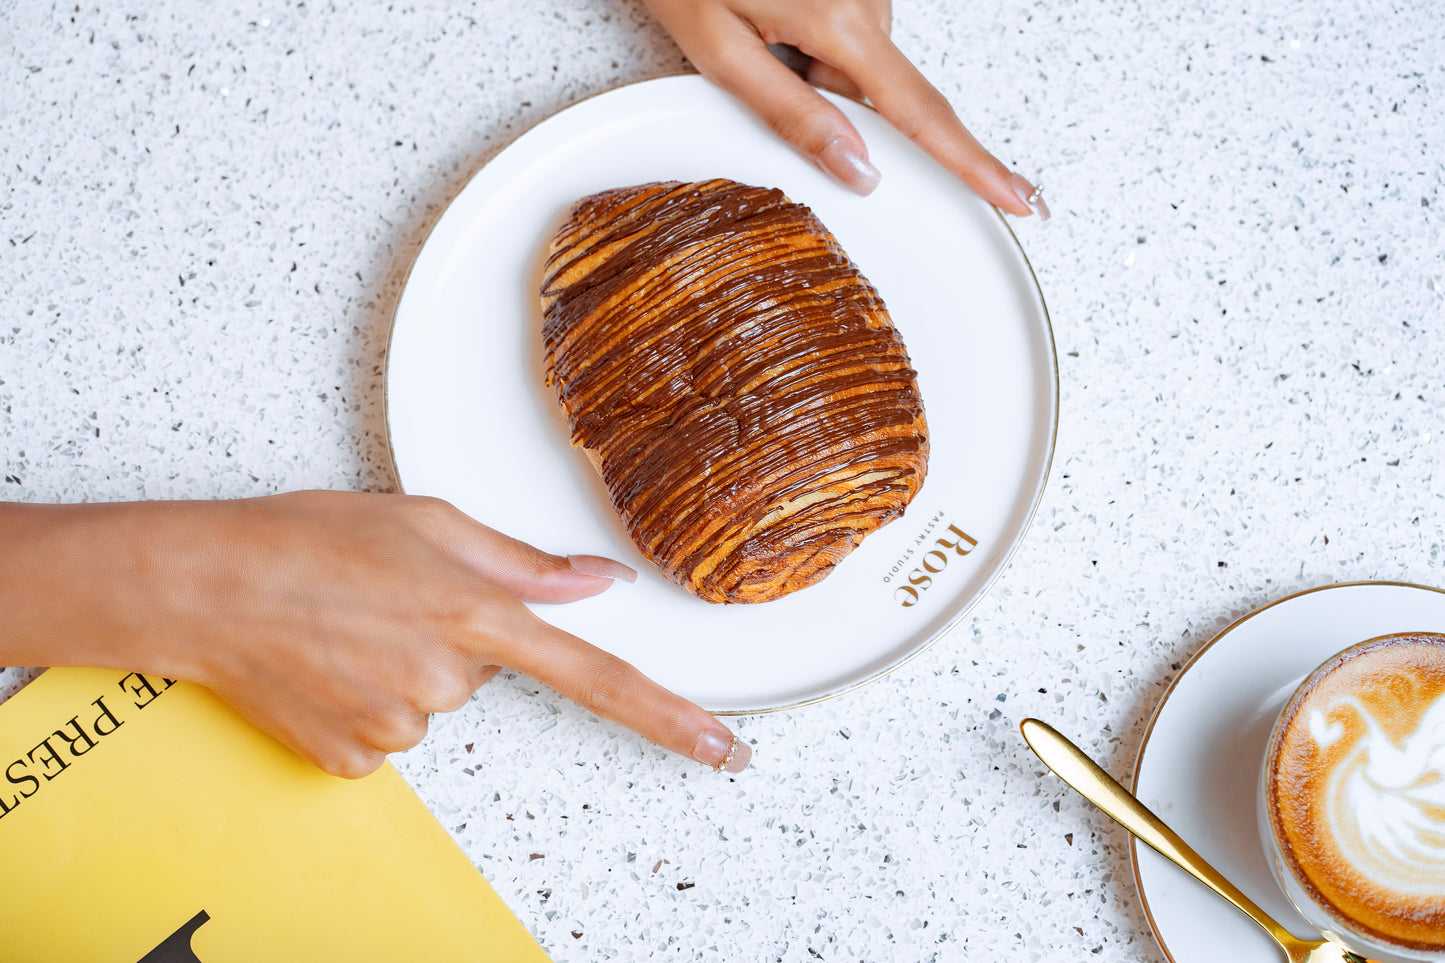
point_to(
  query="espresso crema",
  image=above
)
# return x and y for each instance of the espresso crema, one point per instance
(1356, 789)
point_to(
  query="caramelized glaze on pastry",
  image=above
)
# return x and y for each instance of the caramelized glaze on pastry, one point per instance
(735, 380)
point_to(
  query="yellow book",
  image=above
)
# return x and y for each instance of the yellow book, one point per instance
(146, 822)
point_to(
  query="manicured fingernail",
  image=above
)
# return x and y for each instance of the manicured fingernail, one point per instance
(601, 567)
(844, 161)
(722, 750)
(1031, 195)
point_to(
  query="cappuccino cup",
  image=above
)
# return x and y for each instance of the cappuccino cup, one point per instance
(1352, 798)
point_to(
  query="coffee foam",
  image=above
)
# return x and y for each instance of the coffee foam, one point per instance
(1357, 788)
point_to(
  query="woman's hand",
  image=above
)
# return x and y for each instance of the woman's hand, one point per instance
(337, 622)
(848, 41)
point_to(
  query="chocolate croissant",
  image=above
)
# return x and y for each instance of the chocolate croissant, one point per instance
(735, 380)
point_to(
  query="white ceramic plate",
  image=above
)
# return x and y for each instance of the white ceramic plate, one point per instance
(1199, 764)
(471, 421)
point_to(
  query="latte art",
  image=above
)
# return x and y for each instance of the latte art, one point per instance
(1385, 804)
(1354, 791)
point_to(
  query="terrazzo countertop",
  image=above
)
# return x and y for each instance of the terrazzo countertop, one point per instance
(206, 215)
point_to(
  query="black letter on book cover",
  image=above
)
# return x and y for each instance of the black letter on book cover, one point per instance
(177, 946)
(143, 685)
(20, 780)
(105, 713)
(81, 742)
(47, 757)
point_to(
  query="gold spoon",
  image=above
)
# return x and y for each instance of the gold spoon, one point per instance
(1098, 787)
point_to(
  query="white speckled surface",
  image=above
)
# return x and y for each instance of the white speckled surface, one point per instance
(206, 212)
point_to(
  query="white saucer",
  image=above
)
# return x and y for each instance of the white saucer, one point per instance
(1199, 763)
(471, 421)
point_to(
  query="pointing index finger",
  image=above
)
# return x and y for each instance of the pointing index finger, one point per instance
(613, 689)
